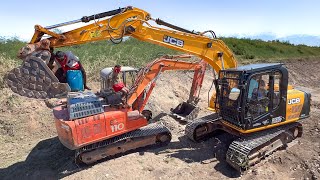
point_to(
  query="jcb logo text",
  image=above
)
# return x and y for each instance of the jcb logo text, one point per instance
(294, 101)
(173, 41)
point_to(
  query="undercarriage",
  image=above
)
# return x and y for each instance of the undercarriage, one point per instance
(150, 135)
(245, 150)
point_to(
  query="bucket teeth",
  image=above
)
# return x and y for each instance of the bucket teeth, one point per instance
(34, 79)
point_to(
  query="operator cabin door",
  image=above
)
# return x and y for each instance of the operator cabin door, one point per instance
(263, 100)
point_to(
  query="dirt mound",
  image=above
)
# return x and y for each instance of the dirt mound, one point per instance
(31, 150)
(304, 72)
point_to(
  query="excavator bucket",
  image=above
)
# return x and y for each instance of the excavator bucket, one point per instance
(185, 111)
(34, 79)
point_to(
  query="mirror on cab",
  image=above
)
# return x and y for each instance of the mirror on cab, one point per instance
(234, 94)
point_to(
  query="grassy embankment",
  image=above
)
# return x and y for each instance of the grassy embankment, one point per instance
(98, 55)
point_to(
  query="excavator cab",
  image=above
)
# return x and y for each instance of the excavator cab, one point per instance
(246, 94)
(128, 76)
(255, 96)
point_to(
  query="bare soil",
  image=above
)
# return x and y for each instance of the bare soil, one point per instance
(30, 149)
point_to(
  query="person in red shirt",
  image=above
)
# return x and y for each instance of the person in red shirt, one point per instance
(67, 61)
(115, 81)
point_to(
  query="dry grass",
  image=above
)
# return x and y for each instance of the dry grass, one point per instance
(6, 64)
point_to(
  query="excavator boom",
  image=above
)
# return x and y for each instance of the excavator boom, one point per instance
(134, 22)
(33, 79)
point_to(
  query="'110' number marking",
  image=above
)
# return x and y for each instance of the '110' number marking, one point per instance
(117, 127)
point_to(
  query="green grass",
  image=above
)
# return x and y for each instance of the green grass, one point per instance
(97, 55)
(9, 49)
(132, 52)
(135, 52)
(246, 49)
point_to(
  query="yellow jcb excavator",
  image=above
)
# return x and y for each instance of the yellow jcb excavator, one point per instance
(252, 102)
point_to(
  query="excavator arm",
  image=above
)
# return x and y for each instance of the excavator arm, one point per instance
(34, 79)
(150, 74)
(147, 77)
(134, 22)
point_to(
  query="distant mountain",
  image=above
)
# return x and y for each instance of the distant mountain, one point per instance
(303, 39)
(264, 37)
(308, 40)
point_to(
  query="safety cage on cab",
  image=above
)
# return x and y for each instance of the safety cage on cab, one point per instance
(249, 97)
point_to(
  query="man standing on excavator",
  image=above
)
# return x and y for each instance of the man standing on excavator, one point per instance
(68, 61)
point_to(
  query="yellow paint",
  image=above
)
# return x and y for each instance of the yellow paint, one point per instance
(293, 111)
(259, 128)
(211, 109)
(212, 101)
(114, 27)
(95, 34)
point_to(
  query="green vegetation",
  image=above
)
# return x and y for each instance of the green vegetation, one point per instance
(9, 49)
(135, 52)
(94, 56)
(246, 49)
(98, 55)
(132, 52)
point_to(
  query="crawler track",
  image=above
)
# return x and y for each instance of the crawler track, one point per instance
(153, 134)
(247, 151)
(197, 130)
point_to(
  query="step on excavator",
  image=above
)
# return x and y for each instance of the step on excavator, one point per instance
(253, 103)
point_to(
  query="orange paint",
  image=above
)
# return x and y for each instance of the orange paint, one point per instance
(84, 131)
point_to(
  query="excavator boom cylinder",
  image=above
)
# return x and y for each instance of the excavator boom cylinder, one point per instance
(90, 18)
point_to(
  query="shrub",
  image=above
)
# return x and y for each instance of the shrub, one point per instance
(249, 56)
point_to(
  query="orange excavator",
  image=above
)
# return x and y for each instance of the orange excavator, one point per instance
(253, 103)
(102, 126)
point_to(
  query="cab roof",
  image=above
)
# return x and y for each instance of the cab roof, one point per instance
(256, 67)
(104, 73)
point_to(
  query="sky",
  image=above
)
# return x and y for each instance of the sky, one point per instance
(226, 17)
